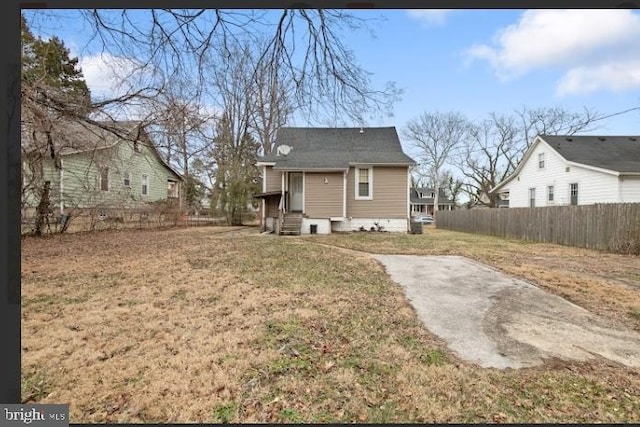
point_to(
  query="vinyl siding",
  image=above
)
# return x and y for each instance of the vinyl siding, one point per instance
(630, 189)
(389, 194)
(593, 186)
(271, 205)
(49, 173)
(323, 200)
(81, 178)
(273, 179)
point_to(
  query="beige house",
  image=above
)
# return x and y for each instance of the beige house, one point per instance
(319, 180)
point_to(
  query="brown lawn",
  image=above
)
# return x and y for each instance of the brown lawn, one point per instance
(209, 324)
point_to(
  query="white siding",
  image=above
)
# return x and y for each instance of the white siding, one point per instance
(593, 186)
(630, 189)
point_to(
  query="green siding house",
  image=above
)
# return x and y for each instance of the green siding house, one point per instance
(114, 165)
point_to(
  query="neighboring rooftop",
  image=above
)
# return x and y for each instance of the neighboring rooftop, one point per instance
(70, 137)
(337, 148)
(416, 199)
(75, 136)
(616, 153)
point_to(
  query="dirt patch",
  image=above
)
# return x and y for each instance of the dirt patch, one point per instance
(554, 328)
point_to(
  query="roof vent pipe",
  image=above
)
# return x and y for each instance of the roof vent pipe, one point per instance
(361, 130)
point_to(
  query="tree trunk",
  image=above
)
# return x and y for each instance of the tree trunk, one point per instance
(43, 209)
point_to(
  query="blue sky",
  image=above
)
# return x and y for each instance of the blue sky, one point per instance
(479, 61)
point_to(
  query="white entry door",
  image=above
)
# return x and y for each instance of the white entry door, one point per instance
(295, 192)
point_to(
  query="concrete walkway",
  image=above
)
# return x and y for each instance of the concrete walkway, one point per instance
(498, 321)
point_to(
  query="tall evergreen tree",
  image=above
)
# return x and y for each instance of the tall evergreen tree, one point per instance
(51, 77)
(52, 86)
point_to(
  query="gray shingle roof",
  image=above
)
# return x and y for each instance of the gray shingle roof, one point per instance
(616, 153)
(71, 137)
(318, 148)
(75, 136)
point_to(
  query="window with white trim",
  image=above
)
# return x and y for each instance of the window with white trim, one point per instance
(145, 184)
(104, 179)
(550, 193)
(364, 182)
(126, 179)
(573, 193)
(172, 189)
(532, 197)
(541, 161)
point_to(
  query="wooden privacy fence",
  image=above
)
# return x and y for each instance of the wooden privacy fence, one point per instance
(611, 227)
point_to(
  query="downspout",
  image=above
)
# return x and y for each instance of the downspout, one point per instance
(303, 194)
(263, 203)
(408, 198)
(344, 194)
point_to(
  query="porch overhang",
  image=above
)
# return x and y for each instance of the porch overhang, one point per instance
(267, 194)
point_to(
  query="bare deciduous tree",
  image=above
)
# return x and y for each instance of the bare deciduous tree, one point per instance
(495, 146)
(436, 136)
(305, 46)
(234, 154)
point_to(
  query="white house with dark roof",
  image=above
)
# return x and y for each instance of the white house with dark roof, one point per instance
(319, 180)
(422, 200)
(575, 170)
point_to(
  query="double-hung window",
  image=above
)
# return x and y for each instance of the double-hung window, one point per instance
(145, 184)
(532, 197)
(104, 179)
(364, 183)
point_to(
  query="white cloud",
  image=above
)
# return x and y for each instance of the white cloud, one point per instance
(430, 16)
(110, 77)
(544, 38)
(615, 77)
(106, 74)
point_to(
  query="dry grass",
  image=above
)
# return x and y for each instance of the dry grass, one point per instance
(212, 325)
(604, 283)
